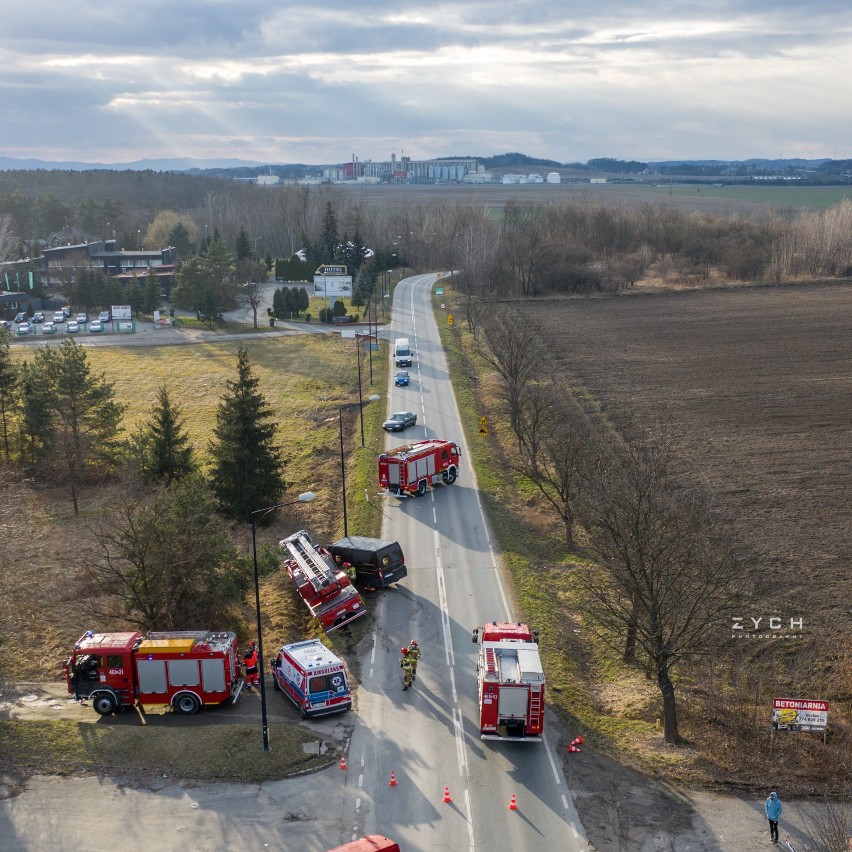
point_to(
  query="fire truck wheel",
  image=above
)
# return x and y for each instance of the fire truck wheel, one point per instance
(421, 488)
(104, 704)
(186, 704)
(449, 476)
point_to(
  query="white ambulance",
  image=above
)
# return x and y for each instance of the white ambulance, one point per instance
(313, 678)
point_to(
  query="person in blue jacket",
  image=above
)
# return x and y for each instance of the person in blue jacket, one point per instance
(773, 813)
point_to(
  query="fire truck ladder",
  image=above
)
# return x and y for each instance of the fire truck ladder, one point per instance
(312, 564)
(535, 704)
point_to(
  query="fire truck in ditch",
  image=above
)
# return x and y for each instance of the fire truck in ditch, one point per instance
(409, 470)
(511, 683)
(326, 590)
(184, 668)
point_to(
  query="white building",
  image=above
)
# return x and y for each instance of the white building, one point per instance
(554, 177)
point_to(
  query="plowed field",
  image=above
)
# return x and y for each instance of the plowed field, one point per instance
(756, 385)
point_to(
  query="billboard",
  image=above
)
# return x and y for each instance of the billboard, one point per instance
(331, 286)
(799, 714)
(121, 312)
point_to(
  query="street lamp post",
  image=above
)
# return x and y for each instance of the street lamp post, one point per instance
(256, 255)
(306, 497)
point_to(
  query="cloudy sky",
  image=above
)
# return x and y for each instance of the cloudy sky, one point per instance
(316, 82)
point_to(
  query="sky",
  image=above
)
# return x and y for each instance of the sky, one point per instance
(320, 82)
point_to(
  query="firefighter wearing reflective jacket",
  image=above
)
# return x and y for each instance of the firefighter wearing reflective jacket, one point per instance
(250, 660)
(414, 656)
(405, 665)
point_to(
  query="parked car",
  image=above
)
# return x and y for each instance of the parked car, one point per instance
(72, 327)
(82, 317)
(400, 420)
(21, 317)
(23, 328)
(59, 316)
(402, 379)
(67, 311)
(48, 328)
(104, 316)
(96, 326)
(38, 316)
(6, 324)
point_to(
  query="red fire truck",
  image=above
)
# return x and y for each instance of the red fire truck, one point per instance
(184, 668)
(511, 683)
(326, 590)
(411, 469)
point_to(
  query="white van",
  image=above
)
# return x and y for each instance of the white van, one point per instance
(402, 352)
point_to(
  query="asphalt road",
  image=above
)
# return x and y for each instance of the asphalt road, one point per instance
(428, 735)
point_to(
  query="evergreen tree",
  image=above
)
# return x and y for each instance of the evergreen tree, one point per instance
(180, 238)
(268, 261)
(290, 306)
(329, 237)
(279, 302)
(248, 471)
(76, 417)
(304, 301)
(9, 388)
(151, 293)
(242, 246)
(206, 283)
(163, 444)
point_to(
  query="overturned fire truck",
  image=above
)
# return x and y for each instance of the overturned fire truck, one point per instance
(326, 590)
(511, 683)
(409, 470)
(184, 668)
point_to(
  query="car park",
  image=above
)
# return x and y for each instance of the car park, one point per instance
(59, 316)
(48, 328)
(399, 420)
(72, 327)
(402, 379)
(96, 326)
(104, 316)
(23, 328)
(38, 316)
(82, 317)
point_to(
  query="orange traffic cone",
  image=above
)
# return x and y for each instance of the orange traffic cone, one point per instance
(577, 741)
(343, 762)
(572, 748)
(447, 795)
(392, 782)
(513, 803)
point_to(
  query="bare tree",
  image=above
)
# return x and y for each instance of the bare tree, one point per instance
(666, 575)
(512, 352)
(557, 467)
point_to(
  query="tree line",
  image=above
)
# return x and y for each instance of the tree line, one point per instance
(656, 570)
(166, 557)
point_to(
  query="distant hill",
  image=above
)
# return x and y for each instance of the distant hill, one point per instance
(180, 164)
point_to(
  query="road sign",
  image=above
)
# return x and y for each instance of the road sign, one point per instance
(449, 319)
(483, 425)
(439, 291)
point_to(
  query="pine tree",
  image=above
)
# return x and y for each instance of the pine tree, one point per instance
(74, 414)
(248, 471)
(329, 238)
(242, 246)
(167, 452)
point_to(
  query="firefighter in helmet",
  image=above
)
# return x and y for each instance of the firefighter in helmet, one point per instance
(405, 665)
(414, 656)
(250, 661)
